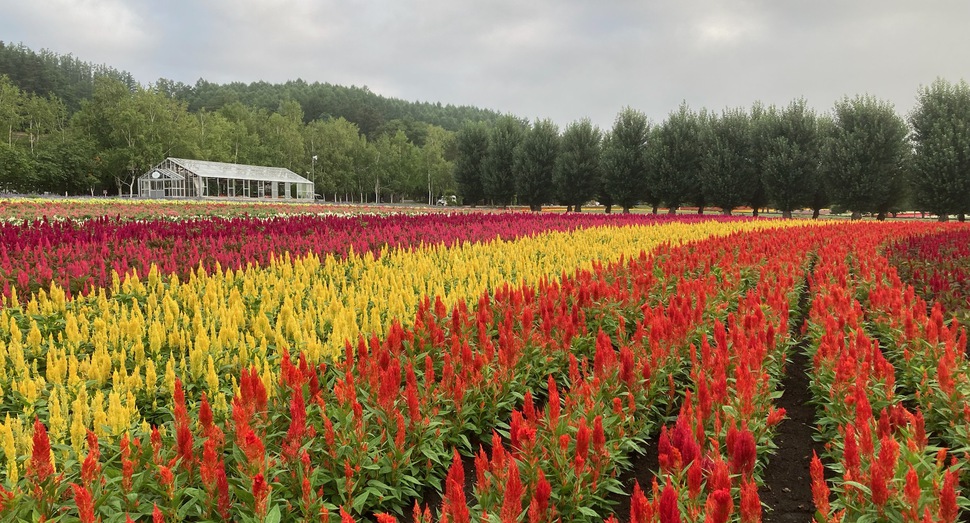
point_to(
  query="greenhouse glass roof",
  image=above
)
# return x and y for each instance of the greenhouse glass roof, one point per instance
(237, 171)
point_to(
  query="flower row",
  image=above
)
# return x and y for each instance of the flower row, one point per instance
(102, 363)
(84, 257)
(883, 464)
(378, 428)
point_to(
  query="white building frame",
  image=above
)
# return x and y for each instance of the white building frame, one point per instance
(181, 178)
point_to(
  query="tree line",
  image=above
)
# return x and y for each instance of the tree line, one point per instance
(861, 157)
(121, 131)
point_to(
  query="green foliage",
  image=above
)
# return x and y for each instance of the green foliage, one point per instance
(677, 158)
(498, 178)
(866, 156)
(535, 163)
(470, 164)
(728, 176)
(625, 159)
(578, 173)
(789, 147)
(16, 173)
(941, 136)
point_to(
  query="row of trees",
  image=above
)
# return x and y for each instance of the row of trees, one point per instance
(121, 131)
(862, 157)
(72, 80)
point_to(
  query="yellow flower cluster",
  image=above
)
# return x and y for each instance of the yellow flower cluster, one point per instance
(106, 361)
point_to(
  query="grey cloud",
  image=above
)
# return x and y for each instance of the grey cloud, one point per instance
(560, 59)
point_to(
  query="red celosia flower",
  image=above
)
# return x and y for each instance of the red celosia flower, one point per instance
(850, 454)
(720, 476)
(254, 450)
(750, 502)
(775, 416)
(345, 516)
(260, 495)
(167, 480)
(222, 483)
(294, 435)
(641, 511)
(599, 438)
(719, 506)
(205, 414)
(157, 516)
(695, 476)
(384, 517)
(820, 489)
(742, 453)
(209, 467)
(541, 495)
(40, 467)
(453, 505)
(91, 468)
(668, 510)
(554, 406)
(127, 465)
(582, 440)
(512, 499)
(156, 442)
(85, 505)
(948, 498)
(663, 450)
(878, 485)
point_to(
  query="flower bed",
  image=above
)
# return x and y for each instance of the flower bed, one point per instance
(523, 397)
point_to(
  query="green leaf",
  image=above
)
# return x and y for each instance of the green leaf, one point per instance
(274, 515)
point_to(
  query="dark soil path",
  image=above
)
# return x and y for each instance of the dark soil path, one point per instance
(642, 471)
(787, 490)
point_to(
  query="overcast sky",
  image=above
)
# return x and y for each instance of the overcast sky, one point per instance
(558, 59)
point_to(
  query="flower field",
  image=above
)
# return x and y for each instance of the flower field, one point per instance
(471, 367)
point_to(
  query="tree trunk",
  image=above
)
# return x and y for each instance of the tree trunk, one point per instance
(535, 207)
(962, 217)
(656, 207)
(856, 215)
(881, 216)
(754, 212)
(815, 213)
(725, 211)
(609, 208)
(944, 218)
(700, 209)
(786, 214)
(671, 210)
(579, 208)
(569, 208)
(626, 209)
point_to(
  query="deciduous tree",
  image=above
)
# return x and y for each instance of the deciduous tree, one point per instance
(867, 156)
(535, 162)
(941, 136)
(790, 150)
(578, 170)
(625, 159)
(470, 164)
(498, 179)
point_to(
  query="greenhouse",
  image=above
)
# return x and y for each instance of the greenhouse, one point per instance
(180, 178)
